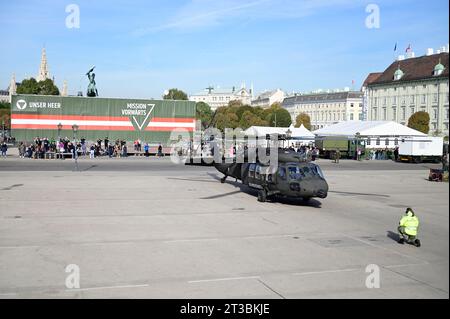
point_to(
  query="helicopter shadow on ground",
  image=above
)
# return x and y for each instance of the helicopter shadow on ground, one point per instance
(253, 192)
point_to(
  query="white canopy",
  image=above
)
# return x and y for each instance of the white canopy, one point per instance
(368, 128)
(296, 132)
(300, 132)
(263, 130)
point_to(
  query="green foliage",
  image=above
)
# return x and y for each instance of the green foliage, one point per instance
(249, 119)
(420, 121)
(204, 113)
(5, 105)
(175, 94)
(31, 86)
(242, 109)
(304, 119)
(5, 117)
(235, 103)
(277, 116)
(235, 114)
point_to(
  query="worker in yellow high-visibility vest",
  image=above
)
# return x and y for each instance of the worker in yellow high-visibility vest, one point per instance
(408, 228)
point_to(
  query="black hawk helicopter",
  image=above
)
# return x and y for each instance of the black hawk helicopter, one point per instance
(294, 177)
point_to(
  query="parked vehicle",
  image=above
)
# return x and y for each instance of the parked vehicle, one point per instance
(348, 147)
(421, 149)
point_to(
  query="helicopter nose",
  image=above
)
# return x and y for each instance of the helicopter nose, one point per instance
(322, 190)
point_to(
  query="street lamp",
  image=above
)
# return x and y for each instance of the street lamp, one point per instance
(59, 126)
(357, 135)
(288, 136)
(75, 152)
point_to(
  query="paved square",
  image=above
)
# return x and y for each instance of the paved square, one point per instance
(146, 228)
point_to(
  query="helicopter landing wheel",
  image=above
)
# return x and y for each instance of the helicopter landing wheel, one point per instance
(262, 196)
(222, 180)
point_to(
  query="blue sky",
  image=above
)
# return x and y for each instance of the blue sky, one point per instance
(141, 48)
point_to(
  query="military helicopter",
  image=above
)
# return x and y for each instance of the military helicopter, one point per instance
(295, 177)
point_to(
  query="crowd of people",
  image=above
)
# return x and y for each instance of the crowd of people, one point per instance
(383, 154)
(306, 151)
(42, 146)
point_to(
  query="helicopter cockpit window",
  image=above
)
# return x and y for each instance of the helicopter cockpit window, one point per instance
(295, 173)
(282, 173)
(251, 170)
(318, 171)
(257, 171)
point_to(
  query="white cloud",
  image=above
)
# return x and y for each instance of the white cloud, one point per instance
(209, 13)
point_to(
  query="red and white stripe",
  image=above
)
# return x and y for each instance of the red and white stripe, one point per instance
(88, 122)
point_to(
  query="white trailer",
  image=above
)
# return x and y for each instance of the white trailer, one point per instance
(421, 149)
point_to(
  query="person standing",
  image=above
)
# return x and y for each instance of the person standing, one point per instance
(396, 154)
(337, 156)
(4, 148)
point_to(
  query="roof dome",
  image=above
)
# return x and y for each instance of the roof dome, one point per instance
(439, 67)
(398, 74)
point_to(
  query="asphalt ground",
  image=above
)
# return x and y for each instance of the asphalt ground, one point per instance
(147, 228)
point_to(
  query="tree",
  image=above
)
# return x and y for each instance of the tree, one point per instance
(420, 121)
(304, 119)
(277, 116)
(242, 109)
(226, 120)
(250, 119)
(204, 113)
(5, 105)
(31, 86)
(175, 94)
(5, 118)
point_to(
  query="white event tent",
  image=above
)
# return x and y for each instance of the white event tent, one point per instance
(378, 134)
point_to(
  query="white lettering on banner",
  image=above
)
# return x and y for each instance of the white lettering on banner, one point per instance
(44, 105)
(134, 112)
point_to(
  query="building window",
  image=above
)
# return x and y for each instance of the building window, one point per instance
(394, 100)
(403, 113)
(351, 104)
(412, 110)
(374, 115)
(360, 116)
(435, 97)
(394, 113)
(424, 99)
(412, 99)
(403, 100)
(368, 141)
(386, 142)
(435, 113)
(434, 125)
(396, 141)
(384, 114)
(446, 126)
(385, 101)
(351, 116)
(446, 113)
(378, 141)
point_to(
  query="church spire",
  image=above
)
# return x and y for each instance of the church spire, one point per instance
(12, 87)
(64, 89)
(43, 69)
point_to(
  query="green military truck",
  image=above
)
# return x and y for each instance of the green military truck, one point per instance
(347, 147)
